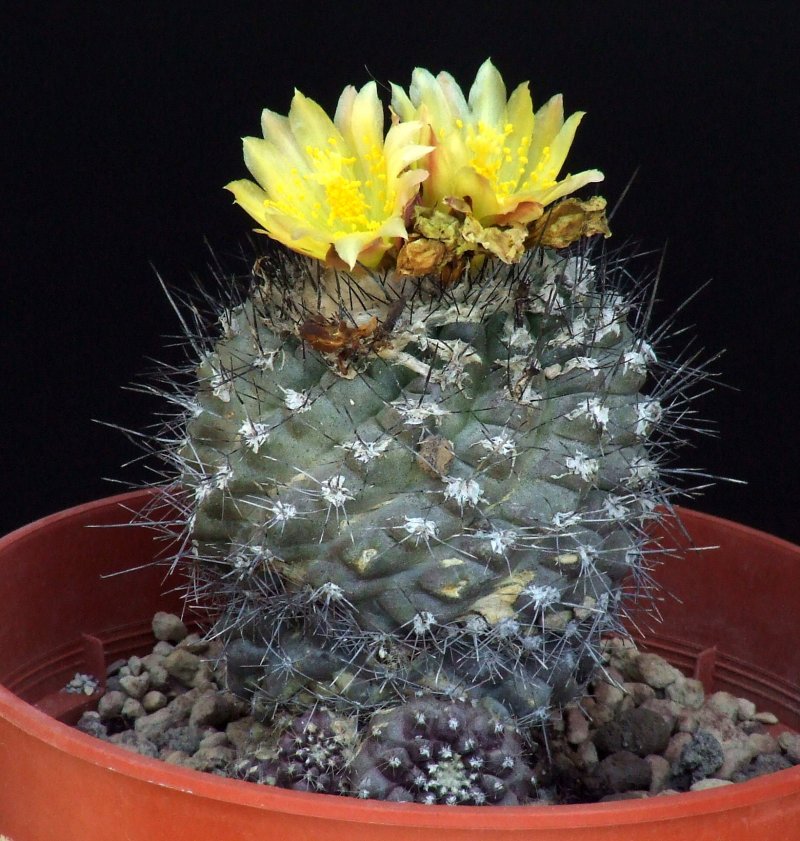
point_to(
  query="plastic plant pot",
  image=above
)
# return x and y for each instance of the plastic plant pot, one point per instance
(66, 611)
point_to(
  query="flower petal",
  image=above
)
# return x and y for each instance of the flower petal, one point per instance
(359, 117)
(425, 90)
(402, 104)
(487, 96)
(407, 190)
(252, 198)
(561, 144)
(310, 124)
(402, 147)
(469, 185)
(457, 102)
(570, 184)
(547, 123)
(349, 247)
(249, 196)
(275, 127)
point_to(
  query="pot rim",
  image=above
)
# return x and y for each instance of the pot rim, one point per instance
(347, 809)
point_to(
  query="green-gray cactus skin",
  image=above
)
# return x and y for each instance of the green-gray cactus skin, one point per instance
(451, 506)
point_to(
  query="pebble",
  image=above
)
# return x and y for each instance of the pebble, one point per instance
(204, 677)
(214, 740)
(587, 756)
(113, 684)
(639, 692)
(737, 754)
(155, 725)
(159, 677)
(133, 741)
(182, 665)
(655, 671)
(185, 738)
(766, 718)
(749, 726)
(762, 764)
(577, 727)
(619, 653)
(790, 744)
(154, 701)
(675, 747)
(687, 692)
(168, 627)
(639, 731)
(763, 743)
(135, 686)
(597, 713)
(183, 703)
(724, 703)
(622, 771)
(668, 710)
(747, 709)
(115, 666)
(722, 726)
(710, 782)
(91, 724)
(214, 709)
(686, 722)
(132, 708)
(211, 759)
(660, 773)
(110, 705)
(135, 666)
(609, 696)
(82, 684)
(700, 757)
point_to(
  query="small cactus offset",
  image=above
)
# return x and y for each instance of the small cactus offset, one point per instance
(418, 462)
(312, 752)
(447, 753)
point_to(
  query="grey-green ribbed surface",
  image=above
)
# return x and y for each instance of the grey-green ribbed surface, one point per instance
(465, 531)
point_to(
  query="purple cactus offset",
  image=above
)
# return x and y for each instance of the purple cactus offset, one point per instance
(312, 753)
(434, 752)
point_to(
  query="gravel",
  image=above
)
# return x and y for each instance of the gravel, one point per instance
(644, 729)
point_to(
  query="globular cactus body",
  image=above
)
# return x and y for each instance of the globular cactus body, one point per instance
(454, 512)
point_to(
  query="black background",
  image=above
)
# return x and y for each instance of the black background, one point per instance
(123, 124)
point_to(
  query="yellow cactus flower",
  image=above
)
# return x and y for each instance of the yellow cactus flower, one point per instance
(333, 188)
(496, 153)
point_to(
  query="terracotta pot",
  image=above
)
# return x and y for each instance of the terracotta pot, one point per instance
(62, 614)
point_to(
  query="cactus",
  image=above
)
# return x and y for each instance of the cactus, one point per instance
(442, 753)
(312, 752)
(417, 459)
